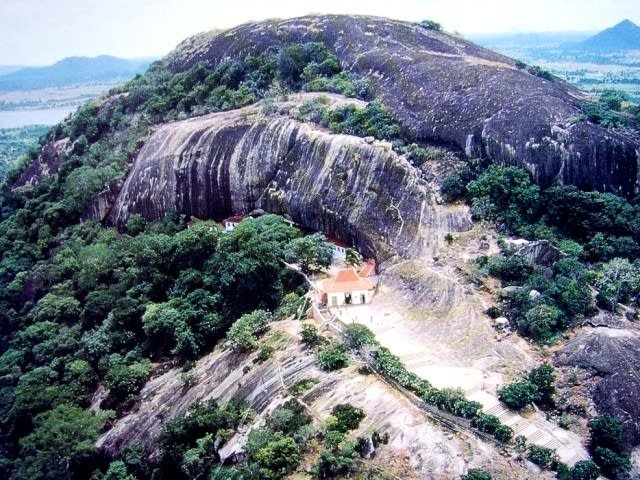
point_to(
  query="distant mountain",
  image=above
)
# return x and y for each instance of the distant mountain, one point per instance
(6, 69)
(73, 71)
(529, 40)
(623, 36)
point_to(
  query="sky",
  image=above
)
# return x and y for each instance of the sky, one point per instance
(41, 32)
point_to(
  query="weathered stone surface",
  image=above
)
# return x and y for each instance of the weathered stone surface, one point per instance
(47, 163)
(445, 89)
(613, 355)
(219, 164)
(541, 252)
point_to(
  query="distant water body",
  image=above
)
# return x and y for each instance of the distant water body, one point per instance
(20, 118)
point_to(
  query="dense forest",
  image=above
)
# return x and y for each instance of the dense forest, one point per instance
(16, 142)
(83, 305)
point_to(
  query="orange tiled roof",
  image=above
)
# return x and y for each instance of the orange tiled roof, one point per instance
(347, 280)
(368, 268)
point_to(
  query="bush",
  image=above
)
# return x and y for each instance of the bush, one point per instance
(309, 335)
(453, 401)
(541, 456)
(486, 423)
(611, 463)
(373, 120)
(511, 269)
(585, 470)
(358, 335)
(243, 334)
(540, 72)
(503, 433)
(431, 25)
(544, 380)
(334, 356)
(541, 322)
(518, 395)
(476, 474)
(347, 417)
(453, 188)
(505, 194)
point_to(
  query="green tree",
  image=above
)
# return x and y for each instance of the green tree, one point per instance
(278, 457)
(503, 433)
(352, 258)
(125, 381)
(61, 445)
(312, 252)
(347, 417)
(243, 334)
(611, 463)
(518, 395)
(606, 431)
(544, 379)
(542, 321)
(618, 281)
(309, 334)
(486, 423)
(333, 356)
(508, 194)
(585, 470)
(543, 457)
(358, 336)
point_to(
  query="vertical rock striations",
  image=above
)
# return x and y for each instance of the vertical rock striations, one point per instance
(219, 164)
(445, 89)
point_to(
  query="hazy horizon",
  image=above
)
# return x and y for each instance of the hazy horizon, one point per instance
(34, 34)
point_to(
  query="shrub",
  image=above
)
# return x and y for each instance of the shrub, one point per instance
(373, 120)
(309, 335)
(453, 401)
(358, 335)
(511, 269)
(611, 463)
(503, 433)
(333, 356)
(476, 474)
(301, 386)
(243, 334)
(540, 72)
(517, 395)
(347, 417)
(431, 25)
(544, 380)
(453, 188)
(486, 423)
(541, 456)
(585, 470)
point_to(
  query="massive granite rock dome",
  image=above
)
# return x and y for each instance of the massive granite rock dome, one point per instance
(447, 90)
(359, 190)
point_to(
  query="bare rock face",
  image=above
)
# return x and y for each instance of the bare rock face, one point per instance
(445, 89)
(231, 162)
(541, 252)
(613, 357)
(47, 163)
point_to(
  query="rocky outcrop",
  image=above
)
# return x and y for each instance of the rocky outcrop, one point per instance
(541, 252)
(231, 162)
(448, 90)
(613, 357)
(430, 451)
(47, 163)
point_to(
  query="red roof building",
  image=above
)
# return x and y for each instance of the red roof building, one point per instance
(348, 288)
